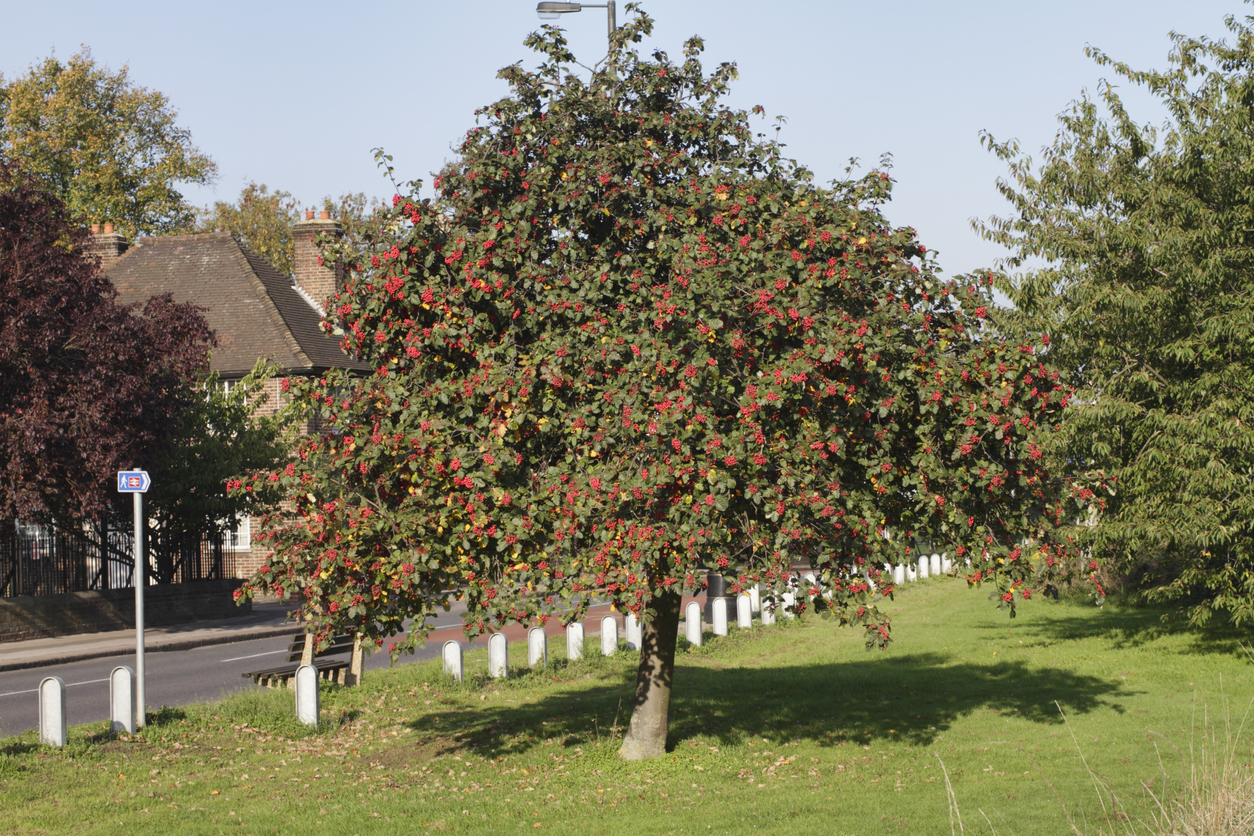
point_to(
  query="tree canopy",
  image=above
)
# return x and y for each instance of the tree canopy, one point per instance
(631, 343)
(87, 386)
(263, 220)
(109, 149)
(1138, 249)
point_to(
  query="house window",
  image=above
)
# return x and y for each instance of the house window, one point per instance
(229, 386)
(239, 538)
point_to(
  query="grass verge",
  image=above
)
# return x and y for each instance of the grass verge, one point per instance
(773, 729)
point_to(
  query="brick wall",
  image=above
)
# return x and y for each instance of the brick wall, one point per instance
(32, 617)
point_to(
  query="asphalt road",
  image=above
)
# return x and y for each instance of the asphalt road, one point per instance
(175, 677)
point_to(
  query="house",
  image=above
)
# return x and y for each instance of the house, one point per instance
(254, 310)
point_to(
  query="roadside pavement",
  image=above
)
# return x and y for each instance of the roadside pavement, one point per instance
(267, 619)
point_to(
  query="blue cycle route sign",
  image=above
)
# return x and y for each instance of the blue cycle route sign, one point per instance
(133, 481)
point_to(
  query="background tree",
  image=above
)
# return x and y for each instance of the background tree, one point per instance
(263, 221)
(87, 387)
(631, 344)
(1147, 286)
(109, 149)
(218, 434)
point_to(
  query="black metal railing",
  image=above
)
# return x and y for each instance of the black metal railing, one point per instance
(43, 559)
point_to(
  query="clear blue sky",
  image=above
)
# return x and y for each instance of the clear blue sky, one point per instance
(295, 95)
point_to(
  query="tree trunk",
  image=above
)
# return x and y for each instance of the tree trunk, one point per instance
(650, 714)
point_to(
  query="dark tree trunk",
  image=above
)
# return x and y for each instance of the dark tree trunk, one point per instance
(650, 714)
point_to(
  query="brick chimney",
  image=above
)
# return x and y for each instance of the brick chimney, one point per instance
(106, 244)
(316, 279)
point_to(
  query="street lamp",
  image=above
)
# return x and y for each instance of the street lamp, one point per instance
(552, 11)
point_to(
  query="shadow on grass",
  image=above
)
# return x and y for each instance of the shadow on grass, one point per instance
(910, 698)
(1125, 626)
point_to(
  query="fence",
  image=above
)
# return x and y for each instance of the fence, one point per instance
(46, 560)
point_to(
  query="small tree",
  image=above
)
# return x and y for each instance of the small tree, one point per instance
(87, 387)
(634, 344)
(110, 150)
(263, 220)
(217, 435)
(1147, 287)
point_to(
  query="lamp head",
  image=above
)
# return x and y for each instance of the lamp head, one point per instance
(551, 11)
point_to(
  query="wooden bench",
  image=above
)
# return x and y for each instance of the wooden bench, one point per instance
(344, 670)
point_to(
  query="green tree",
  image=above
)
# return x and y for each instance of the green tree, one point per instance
(263, 220)
(631, 344)
(109, 149)
(1139, 249)
(218, 435)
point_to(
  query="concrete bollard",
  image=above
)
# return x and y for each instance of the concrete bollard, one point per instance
(307, 706)
(936, 565)
(452, 655)
(809, 582)
(122, 700)
(635, 636)
(574, 640)
(767, 614)
(923, 573)
(899, 574)
(537, 647)
(498, 656)
(755, 598)
(609, 635)
(947, 565)
(744, 612)
(720, 617)
(790, 600)
(52, 711)
(692, 623)
(912, 574)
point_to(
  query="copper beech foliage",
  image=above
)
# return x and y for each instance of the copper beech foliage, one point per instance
(630, 341)
(87, 386)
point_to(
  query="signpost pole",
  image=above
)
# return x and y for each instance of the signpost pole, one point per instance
(136, 482)
(141, 580)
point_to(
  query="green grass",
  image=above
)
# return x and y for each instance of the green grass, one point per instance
(793, 728)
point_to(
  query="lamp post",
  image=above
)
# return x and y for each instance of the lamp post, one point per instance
(551, 11)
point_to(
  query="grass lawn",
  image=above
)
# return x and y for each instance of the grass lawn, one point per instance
(792, 728)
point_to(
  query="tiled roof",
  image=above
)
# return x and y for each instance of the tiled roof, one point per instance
(254, 310)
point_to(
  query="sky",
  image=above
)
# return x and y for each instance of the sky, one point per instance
(297, 95)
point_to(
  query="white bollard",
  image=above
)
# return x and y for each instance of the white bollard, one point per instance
(307, 695)
(635, 636)
(52, 711)
(692, 623)
(810, 582)
(911, 574)
(755, 599)
(947, 565)
(936, 565)
(744, 612)
(609, 635)
(790, 600)
(923, 574)
(537, 647)
(574, 640)
(498, 656)
(720, 616)
(899, 574)
(122, 700)
(452, 655)
(767, 614)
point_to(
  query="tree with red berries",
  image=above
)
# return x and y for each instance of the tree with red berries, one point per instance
(87, 386)
(629, 343)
